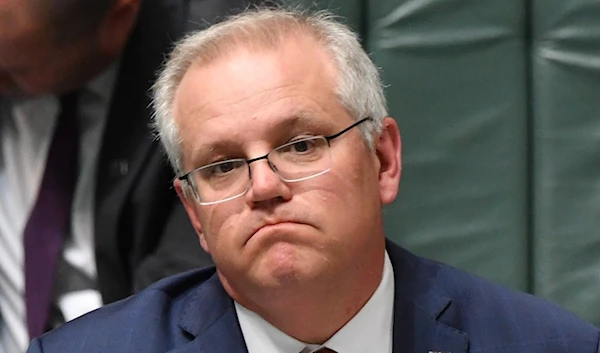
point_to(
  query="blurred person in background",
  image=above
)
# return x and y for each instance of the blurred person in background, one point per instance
(86, 197)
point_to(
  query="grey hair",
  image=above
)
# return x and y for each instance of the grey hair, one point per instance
(359, 88)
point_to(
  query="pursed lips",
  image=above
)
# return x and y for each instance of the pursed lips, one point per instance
(269, 223)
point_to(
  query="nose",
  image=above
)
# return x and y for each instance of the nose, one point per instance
(265, 184)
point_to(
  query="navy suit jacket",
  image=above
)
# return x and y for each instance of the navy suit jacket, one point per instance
(436, 308)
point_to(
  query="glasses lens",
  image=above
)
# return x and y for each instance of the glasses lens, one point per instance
(302, 159)
(298, 160)
(222, 180)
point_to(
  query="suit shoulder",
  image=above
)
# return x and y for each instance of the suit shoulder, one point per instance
(140, 323)
(495, 316)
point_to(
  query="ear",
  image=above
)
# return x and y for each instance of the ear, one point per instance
(389, 148)
(187, 198)
(114, 30)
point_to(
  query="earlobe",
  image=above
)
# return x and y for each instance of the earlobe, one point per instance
(187, 199)
(388, 150)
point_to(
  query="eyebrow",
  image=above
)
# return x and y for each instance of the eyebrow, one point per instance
(290, 123)
(300, 119)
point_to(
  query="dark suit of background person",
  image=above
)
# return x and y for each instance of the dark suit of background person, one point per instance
(141, 232)
(436, 308)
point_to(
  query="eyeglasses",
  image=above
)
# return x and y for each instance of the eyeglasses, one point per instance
(294, 161)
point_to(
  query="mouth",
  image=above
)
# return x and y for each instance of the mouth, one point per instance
(280, 229)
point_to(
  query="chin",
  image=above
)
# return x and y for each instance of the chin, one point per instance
(286, 263)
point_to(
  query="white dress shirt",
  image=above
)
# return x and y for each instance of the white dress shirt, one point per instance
(370, 330)
(26, 131)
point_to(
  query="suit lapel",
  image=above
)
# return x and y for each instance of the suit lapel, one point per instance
(417, 332)
(219, 338)
(418, 306)
(209, 319)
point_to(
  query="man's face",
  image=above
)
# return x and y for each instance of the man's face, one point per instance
(32, 60)
(242, 106)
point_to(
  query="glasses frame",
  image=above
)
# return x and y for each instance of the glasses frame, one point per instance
(186, 176)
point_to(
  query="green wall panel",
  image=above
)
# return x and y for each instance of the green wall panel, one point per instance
(457, 86)
(566, 98)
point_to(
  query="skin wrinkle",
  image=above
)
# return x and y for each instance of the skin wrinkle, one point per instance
(208, 105)
(236, 102)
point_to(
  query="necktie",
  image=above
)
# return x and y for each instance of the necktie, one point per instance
(49, 221)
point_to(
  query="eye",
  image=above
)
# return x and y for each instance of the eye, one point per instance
(302, 146)
(222, 169)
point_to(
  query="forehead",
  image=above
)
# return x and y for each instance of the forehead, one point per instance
(259, 85)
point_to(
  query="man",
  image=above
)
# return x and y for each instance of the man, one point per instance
(276, 124)
(127, 228)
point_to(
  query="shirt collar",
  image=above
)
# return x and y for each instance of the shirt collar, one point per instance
(373, 324)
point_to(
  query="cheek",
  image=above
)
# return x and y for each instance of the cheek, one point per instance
(220, 224)
(343, 197)
(353, 195)
(357, 180)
